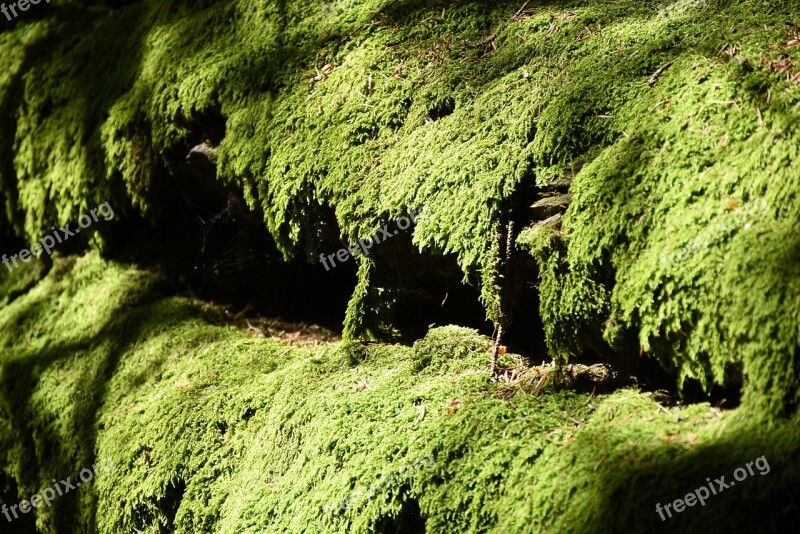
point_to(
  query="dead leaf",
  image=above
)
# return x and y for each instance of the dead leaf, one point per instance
(453, 406)
(291, 339)
(565, 16)
(501, 349)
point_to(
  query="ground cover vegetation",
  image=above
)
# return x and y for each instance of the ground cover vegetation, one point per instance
(590, 142)
(213, 430)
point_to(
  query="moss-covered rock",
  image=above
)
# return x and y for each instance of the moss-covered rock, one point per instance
(668, 125)
(209, 430)
(678, 135)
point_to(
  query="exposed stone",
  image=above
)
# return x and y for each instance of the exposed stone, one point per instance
(550, 206)
(553, 221)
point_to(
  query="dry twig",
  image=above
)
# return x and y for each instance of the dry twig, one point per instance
(654, 78)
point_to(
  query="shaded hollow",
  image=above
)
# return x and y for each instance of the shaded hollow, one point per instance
(408, 521)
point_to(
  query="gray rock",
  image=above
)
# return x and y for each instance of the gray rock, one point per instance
(550, 206)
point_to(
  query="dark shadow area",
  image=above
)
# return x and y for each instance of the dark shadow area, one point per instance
(408, 521)
(219, 250)
(427, 290)
(442, 109)
(171, 501)
(752, 503)
(22, 523)
(524, 330)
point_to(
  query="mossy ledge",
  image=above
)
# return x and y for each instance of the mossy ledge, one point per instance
(214, 431)
(673, 140)
(332, 124)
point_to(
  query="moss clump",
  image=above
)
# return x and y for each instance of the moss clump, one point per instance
(677, 241)
(448, 344)
(213, 431)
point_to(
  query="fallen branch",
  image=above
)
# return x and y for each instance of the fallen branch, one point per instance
(519, 12)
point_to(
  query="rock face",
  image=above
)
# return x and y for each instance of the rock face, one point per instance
(550, 206)
(554, 221)
(548, 211)
(201, 161)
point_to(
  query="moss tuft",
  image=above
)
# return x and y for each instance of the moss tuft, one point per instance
(447, 344)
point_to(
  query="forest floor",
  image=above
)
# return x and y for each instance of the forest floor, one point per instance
(280, 427)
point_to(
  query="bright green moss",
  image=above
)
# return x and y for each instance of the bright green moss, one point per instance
(388, 107)
(448, 344)
(685, 168)
(213, 431)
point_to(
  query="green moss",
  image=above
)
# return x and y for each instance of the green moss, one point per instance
(449, 119)
(418, 108)
(665, 245)
(213, 431)
(446, 345)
